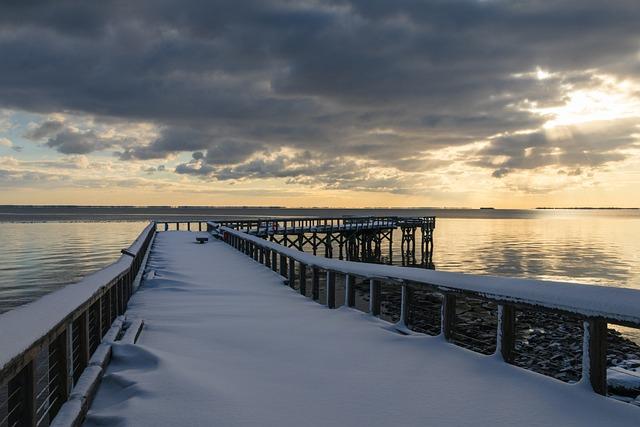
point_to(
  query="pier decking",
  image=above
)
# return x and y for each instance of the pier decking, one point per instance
(225, 343)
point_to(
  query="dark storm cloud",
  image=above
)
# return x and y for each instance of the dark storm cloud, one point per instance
(303, 168)
(44, 130)
(236, 79)
(70, 141)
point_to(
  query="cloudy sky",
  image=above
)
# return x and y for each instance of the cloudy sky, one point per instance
(320, 103)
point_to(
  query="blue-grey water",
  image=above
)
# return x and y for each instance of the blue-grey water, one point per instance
(42, 249)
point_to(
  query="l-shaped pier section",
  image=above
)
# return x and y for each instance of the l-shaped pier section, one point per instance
(227, 341)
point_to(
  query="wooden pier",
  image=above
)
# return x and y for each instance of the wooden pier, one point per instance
(55, 350)
(365, 239)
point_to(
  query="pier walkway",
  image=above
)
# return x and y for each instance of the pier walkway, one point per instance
(225, 343)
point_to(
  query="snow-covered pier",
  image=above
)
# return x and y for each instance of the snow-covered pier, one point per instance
(368, 239)
(225, 342)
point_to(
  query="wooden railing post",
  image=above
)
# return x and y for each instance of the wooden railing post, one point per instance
(82, 345)
(374, 297)
(315, 283)
(267, 257)
(118, 287)
(405, 301)
(292, 273)
(58, 369)
(302, 278)
(448, 316)
(331, 289)
(283, 265)
(594, 354)
(506, 339)
(274, 260)
(261, 253)
(22, 397)
(349, 291)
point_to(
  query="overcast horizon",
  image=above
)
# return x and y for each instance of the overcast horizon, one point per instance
(469, 103)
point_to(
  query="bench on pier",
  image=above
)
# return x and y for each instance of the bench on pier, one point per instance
(202, 239)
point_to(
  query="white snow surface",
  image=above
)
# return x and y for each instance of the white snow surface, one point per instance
(592, 300)
(225, 343)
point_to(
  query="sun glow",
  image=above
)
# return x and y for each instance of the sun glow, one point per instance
(609, 101)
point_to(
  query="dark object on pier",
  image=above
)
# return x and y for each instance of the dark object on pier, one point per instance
(202, 239)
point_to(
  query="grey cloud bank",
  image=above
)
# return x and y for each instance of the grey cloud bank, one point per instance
(230, 80)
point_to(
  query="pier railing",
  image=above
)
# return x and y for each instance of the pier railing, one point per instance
(47, 344)
(270, 226)
(595, 306)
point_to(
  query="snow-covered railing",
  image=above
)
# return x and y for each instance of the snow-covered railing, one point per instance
(595, 305)
(46, 345)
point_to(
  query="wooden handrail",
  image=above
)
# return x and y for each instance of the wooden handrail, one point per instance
(83, 311)
(594, 305)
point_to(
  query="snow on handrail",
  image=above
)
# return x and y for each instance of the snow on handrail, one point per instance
(614, 304)
(27, 328)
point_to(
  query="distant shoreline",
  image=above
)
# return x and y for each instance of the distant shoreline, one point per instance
(223, 207)
(590, 208)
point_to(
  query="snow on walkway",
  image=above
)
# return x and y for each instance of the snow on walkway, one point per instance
(226, 344)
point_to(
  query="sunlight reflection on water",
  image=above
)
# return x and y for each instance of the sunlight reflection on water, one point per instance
(589, 247)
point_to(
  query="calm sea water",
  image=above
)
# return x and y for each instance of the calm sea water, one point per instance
(42, 249)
